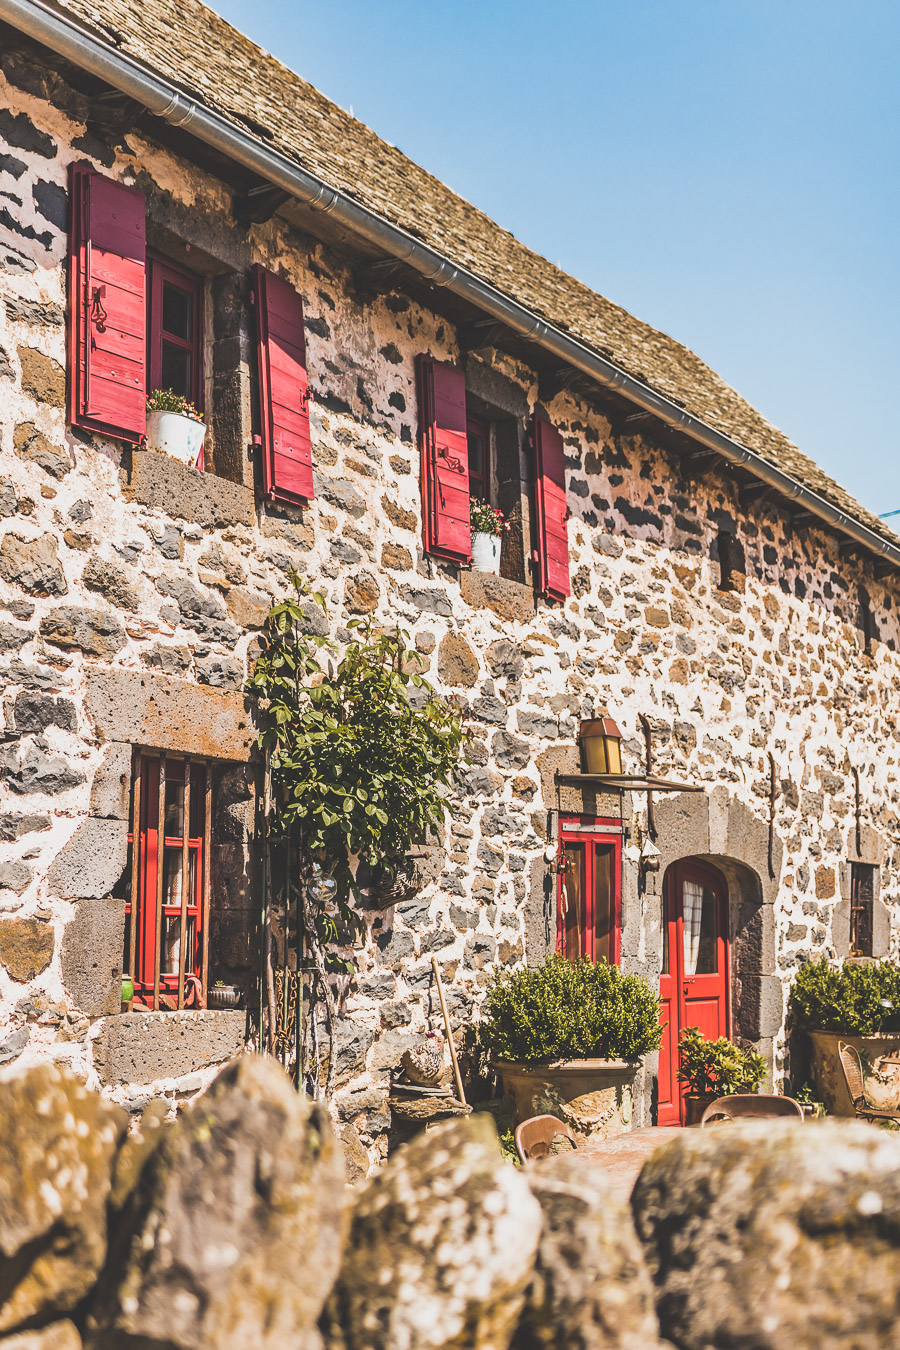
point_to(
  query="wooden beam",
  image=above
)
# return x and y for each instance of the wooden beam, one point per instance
(376, 278)
(114, 114)
(480, 335)
(753, 492)
(551, 383)
(259, 204)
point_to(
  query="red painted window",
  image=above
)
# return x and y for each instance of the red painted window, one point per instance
(551, 511)
(175, 331)
(444, 471)
(167, 921)
(107, 306)
(589, 897)
(478, 440)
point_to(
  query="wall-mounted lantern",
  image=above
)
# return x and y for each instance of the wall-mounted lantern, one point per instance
(601, 742)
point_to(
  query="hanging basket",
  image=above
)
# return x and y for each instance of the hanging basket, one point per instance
(393, 881)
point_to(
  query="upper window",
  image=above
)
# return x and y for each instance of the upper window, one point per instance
(589, 898)
(478, 438)
(175, 331)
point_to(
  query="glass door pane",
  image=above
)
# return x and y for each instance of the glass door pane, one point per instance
(700, 910)
(572, 900)
(604, 904)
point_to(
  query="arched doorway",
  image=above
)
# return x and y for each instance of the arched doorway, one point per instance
(694, 983)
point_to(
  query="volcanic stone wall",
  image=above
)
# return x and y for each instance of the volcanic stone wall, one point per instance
(132, 591)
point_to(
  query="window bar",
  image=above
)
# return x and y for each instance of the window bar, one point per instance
(185, 880)
(137, 772)
(207, 826)
(160, 868)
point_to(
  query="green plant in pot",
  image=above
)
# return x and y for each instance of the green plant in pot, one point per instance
(714, 1069)
(568, 1039)
(854, 1002)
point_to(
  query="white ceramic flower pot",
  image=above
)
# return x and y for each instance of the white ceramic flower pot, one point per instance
(176, 435)
(486, 552)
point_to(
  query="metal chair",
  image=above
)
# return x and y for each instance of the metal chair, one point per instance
(856, 1086)
(751, 1106)
(534, 1137)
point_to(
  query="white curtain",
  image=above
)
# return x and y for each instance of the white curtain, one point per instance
(692, 906)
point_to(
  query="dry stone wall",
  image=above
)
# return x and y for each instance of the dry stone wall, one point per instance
(132, 591)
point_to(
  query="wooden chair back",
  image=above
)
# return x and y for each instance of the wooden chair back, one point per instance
(534, 1136)
(853, 1074)
(750, 1105)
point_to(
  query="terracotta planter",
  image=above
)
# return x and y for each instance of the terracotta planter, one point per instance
(486, 552)
(826, 1065)
(594, 1096)
(695, 1103)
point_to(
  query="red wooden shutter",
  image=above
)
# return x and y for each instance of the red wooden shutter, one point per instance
(107, 306)
(283, 389)
(444, 460)
(552, 553)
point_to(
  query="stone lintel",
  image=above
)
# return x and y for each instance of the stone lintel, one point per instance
(166, 713)
(142, 1047)
(165, 484)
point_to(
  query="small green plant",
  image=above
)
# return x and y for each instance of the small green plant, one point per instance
(858, 1000)
(563, 1010)
(164, 400)
(717, 1067)
(486, 519)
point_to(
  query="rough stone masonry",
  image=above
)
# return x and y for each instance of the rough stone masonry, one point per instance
(133, 590)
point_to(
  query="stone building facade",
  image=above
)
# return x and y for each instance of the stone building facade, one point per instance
(756, 633)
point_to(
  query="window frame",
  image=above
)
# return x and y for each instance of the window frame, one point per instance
(862, 909)
(153, 986)
(481, 427)
(160, 270)
(586, 831)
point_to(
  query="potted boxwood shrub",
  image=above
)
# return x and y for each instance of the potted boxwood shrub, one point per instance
(714, 1069)
(488, 528)
(174, 427)
(855, 1002)
(568, 1038)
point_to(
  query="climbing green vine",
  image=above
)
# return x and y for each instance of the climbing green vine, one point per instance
(361, 751)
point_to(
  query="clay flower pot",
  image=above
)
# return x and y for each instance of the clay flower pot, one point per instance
(223, 996)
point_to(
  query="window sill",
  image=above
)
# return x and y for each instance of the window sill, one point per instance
(142, 1047)
(507, 599)
(164, 484)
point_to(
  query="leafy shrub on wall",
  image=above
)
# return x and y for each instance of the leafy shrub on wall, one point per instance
(848, 998)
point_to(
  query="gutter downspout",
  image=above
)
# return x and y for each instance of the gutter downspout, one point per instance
(68, 37)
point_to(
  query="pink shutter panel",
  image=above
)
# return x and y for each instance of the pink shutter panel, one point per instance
(551, 511)
(444, 460)
(283, 389)
(107, 306)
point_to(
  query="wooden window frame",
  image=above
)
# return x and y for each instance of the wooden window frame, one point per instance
(154, 987)
(160, 270)
(481, 427)
(587, 830)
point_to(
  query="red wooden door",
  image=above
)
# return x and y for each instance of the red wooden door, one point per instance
(694, 981)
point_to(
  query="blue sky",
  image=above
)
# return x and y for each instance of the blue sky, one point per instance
(728, 170)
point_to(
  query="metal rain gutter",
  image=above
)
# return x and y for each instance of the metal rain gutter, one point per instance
(68, 37)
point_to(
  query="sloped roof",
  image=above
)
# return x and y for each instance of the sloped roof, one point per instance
(193, 48)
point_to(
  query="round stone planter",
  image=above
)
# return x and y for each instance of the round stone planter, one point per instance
(826, 1065)
(486, 552)
(223, 996)
(594, 1096)
(175, 435)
